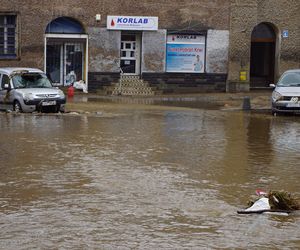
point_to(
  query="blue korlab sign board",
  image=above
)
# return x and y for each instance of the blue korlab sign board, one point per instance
(132, 23)
(285, 33)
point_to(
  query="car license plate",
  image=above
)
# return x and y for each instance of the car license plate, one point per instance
(48, 103)
(293, 105)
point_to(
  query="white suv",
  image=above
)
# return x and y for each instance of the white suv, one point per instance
(28, 90)
(286, 95)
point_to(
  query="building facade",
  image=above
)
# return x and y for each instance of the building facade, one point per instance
(175, 46)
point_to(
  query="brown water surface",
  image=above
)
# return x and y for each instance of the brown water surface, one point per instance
(146, 179)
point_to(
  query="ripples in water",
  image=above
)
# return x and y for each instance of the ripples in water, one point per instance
(155, 179)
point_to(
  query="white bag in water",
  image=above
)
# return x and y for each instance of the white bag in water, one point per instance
(261, 204)
(80, 85)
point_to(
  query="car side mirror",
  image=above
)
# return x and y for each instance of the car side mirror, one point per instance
(6, 86)
(272, 85)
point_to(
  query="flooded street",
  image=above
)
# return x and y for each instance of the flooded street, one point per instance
(146, 177)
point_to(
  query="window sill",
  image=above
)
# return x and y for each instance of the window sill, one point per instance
(9, 58)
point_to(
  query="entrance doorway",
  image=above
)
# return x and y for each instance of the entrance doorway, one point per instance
(130, 54)
(65, 52)
(263, 49)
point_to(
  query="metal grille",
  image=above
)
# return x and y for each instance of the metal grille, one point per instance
(46, 95)
(288, 98)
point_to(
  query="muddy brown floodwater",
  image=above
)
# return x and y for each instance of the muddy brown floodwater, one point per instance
(145, 177)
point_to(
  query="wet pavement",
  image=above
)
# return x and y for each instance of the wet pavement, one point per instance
(127, 175)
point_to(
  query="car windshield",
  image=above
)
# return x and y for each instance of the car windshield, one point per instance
(290, 79)
(31, 80)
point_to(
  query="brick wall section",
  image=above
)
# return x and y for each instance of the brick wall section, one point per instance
(284, 15)
(100, 80)
(180, 82)
(244, 16)
(34, 15)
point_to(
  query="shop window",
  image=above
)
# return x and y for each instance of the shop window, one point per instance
(185, 53)
(66, 46)
(8, 36)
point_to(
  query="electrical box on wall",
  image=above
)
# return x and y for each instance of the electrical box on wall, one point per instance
(98, 17)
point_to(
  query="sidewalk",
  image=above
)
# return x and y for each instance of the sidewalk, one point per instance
(260, 100)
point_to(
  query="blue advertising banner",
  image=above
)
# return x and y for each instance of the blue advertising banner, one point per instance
(185, 57)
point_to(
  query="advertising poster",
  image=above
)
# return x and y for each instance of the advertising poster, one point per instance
(185, 57)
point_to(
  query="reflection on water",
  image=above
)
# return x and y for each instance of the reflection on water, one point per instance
(145, 179)
(207, 102)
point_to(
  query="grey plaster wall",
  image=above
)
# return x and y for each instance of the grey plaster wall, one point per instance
(104, 50)
(217, 47)
(154, 51)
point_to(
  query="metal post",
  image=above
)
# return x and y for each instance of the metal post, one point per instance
(246, 103)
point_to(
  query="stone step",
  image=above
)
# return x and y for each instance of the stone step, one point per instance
(132, 85)
(129, 77)
(129, 81)
(134, 88)
(134, 93)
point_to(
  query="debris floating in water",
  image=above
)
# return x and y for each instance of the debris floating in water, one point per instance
(279, 202)
(283, 200)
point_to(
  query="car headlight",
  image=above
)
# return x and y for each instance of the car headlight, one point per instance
(276, 96)
(28, 96)
(61, 94)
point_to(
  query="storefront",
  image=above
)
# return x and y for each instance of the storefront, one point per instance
(66, 46)
(132, 29)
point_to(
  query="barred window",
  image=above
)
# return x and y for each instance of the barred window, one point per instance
(8, 36)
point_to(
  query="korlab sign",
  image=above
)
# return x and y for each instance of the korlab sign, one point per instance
(185, 39)
(132, 23)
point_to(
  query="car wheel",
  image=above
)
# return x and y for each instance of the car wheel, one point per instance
(62, 109)
(17, 107)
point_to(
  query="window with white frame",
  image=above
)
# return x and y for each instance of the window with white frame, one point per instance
(8, 36)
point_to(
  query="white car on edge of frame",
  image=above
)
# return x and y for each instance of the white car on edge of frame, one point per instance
(28, 90)
(286, 95)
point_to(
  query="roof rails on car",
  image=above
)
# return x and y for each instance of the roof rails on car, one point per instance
(19, 72)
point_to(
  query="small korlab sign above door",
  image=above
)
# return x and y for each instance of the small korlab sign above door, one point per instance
(132, 23)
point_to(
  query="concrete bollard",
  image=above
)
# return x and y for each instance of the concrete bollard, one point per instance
(246, 103)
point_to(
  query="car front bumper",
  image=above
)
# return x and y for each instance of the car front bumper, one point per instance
(286, 107)
(40, 104)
